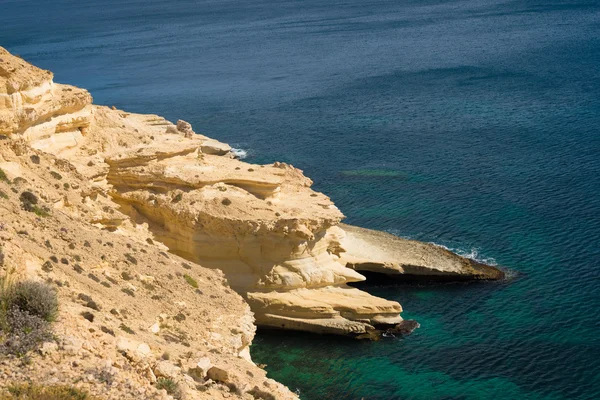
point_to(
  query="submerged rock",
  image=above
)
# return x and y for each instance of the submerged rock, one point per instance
(405, 327)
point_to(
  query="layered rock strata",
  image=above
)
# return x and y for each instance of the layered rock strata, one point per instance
(128, 187)
(130, 313)
(261, 225)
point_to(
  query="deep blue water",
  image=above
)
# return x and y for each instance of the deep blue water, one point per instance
(474, 124)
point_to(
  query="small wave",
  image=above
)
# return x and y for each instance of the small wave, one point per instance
(239, 153)
(472, 254)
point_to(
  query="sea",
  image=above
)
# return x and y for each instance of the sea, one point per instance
(472, 124)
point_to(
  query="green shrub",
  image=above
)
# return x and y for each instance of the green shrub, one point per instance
(36, 298)
(127, 329)
(3, 176)
(170, 386)
(29, 203)
(56, 175)
(19, 180)
(192, 282)
(30, 391)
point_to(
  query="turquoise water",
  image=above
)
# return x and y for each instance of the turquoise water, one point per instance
(472, 124)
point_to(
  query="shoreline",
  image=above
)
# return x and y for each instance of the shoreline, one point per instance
(271, 249)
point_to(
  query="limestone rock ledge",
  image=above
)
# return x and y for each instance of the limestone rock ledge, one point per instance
(371, 251)
(262, 225)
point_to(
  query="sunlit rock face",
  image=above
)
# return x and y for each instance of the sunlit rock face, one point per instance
(63, 163)
(262, 225)
(50, 116)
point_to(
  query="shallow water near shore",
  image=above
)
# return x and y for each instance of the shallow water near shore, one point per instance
(470, 124)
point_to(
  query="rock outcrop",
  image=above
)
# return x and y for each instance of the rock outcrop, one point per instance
(262, 225)
(158, 224)
(371, 251)
(47, 115)
(130, 312)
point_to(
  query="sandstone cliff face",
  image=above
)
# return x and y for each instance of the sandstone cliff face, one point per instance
(122, 189)
(30, 101)
(130, 312)
(262, 225)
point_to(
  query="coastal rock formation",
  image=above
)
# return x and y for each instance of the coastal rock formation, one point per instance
(371, 251)
(130, 312)
(47, 115)
(261, 225)
(157, 224)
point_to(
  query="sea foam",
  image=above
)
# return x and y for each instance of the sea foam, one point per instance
(239, 153)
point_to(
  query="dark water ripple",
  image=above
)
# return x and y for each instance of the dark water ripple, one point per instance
(470, 124)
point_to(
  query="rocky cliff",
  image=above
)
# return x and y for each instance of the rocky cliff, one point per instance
(130, 312)
(158, 224)
(262, 225)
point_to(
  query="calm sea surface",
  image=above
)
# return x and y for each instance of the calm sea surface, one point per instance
(474, 124)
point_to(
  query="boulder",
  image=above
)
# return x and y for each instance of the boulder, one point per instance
(200, 369)
(166, 370)
(404, 328)
(214, 147)
(185, 128)
(218, 375)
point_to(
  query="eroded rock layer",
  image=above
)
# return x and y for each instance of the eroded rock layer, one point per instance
(130, 313)
(371, 251)
(262, 225)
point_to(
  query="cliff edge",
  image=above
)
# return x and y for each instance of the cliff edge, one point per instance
(134, 320)
(166, 251)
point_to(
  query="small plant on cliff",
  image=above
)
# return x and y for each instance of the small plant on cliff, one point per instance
(191, 281)
(127, 329)
(3, 177)
(19, 180)
(178, 197)
(131, 258)
(170, 386)
(56, 175)
(26, 310)
(29, 203)
(37, 299)
(30, 391)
